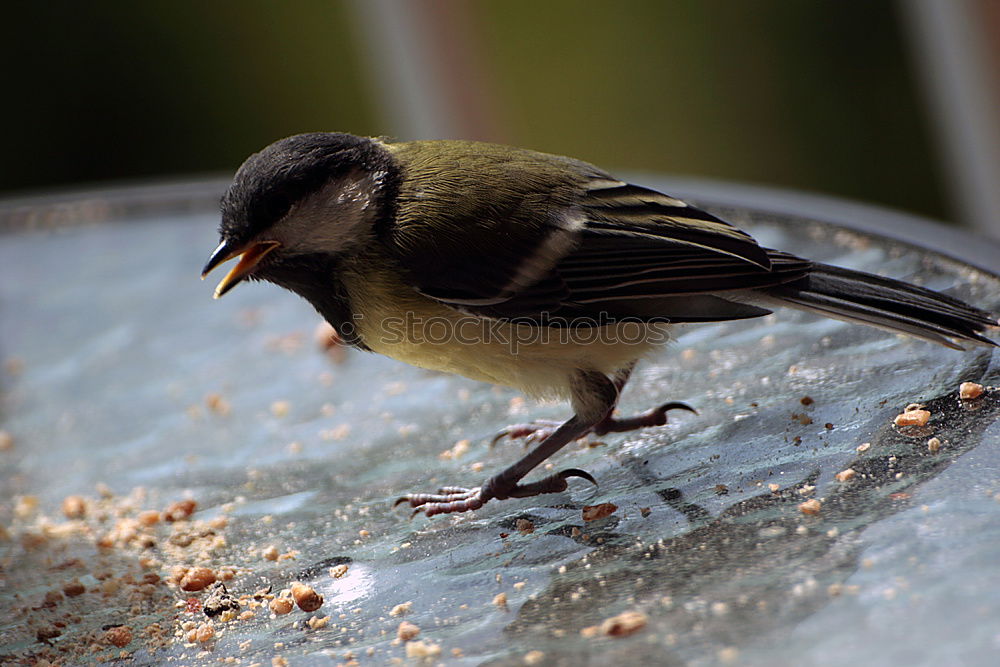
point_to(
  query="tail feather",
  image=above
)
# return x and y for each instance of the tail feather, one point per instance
(887, 303)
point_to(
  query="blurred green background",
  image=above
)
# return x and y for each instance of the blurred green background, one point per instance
(804, 94)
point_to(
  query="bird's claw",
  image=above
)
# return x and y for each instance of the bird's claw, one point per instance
(532, 432)
(452, 499)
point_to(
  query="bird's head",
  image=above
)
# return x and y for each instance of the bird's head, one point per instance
(306, 196)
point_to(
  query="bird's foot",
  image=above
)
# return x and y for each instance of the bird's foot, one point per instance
(450, 499)
(655, 417)
(535, 431)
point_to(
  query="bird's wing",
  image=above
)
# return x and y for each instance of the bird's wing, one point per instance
(592, 247)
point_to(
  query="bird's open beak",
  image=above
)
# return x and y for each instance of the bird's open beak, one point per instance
(250, 257)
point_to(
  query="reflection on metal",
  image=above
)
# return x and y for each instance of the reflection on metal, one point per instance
(118, 343)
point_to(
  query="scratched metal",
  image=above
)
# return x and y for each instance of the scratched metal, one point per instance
(119, 339)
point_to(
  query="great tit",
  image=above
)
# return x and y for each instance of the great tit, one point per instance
(524, 269)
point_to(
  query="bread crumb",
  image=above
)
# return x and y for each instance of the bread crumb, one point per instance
(595, 512)
(280, 408)
(278, 661)
(534, 657)
(622, 625)
(970, 390)
(337, 571)
(460, 449)
(846, 475)
(205, 632)
(421, 649)
(524, 526)
(934, 445)
(270, 553)
(180, 510)
(74, 507)
(306, 597)
(916, 417)
(400, 609)
(774, 488)
(281, 606)
(318, 622)
(6, 441)
(120, 636)
(500, 601)
(863, 447)
(407, 631)
(811, 506)
(729, 655)
(217, 404)
(196, 579)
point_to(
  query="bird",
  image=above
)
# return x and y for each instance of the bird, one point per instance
(524, 269)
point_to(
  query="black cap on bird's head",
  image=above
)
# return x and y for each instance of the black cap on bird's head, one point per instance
(285, 175)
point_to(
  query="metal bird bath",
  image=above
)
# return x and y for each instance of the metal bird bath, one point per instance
(121, 371)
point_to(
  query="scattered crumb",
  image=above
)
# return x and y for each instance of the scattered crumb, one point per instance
(270, 553)
(846, 475)
(278, 661)
(970, 390)
(74, 507)
(806, 400)
(119, 635)
(6, 441)
(595, 512)
(524, 526)
(802, 418)
(518, 585)
(306, 597)
(773, 487)
(330, 342)
(863, 447)
(180, 510)
(337, 571)
(729, 655)
(205, 632)
(933, 445)
(281, 606)
(534, 657)
(280, 408)
(915, 417)
(645, 511)
(73, 588)
(217, 404)
(811, 506)
(400, 609)
(622, 625)
(420, 649)
(407, 631)
(196, 579)
(318, 622)
(500, 601)
(461, 448)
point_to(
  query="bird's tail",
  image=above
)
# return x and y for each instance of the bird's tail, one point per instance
(890, 304)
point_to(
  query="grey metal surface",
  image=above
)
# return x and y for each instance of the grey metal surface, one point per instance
(118, 344)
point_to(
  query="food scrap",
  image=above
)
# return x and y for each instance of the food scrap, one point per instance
(595, 512)
(968, 391)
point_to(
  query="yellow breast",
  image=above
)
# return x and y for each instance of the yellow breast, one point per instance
(394, 320)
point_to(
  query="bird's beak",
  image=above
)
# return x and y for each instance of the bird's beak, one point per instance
(249, 255)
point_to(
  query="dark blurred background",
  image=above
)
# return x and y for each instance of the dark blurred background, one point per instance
(854, 98)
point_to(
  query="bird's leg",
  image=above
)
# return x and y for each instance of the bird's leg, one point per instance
(655, 417)
(593, 397)
(539, 430)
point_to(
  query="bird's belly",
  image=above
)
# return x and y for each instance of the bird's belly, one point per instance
(537, 360)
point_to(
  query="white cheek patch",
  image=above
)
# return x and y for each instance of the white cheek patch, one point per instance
(333, 219)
